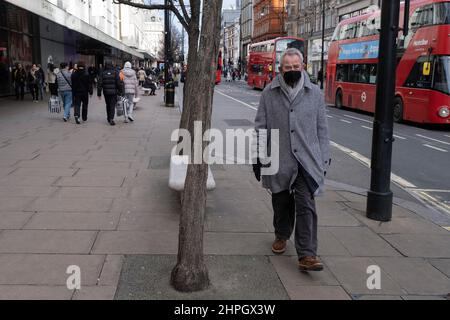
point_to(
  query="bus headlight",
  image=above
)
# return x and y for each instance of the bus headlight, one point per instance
(443, 112)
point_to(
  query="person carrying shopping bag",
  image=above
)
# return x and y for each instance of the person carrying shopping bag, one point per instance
(130, 81)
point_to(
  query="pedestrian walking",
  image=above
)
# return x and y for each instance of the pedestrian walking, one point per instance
(109, 82)
(41, 79)
(64, 82)
(33, 83)
(320, 77)
(81, 90)
(295, 107)
(93, 74)
(19, 78)
(141, 75)
(51, 79)
(130, 83)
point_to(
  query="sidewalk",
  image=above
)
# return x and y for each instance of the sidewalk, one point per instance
(96, 196)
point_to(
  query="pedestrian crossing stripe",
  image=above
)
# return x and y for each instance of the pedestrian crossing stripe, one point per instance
(447, 228)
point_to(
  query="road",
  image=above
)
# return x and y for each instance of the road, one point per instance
(421, 154)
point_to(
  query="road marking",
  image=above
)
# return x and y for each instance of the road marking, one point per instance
(243, 103)
(434, 190)
(356, 118)
(435, 148)
(399, 137)
(425, 198)
(368, 128)
(447, 135)
(446, 228)
(432, 139)
(346, 121)
(329, 116)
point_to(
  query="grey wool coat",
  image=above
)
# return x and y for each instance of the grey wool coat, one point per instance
(303, 134)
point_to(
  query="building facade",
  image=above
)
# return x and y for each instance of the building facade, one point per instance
(55, 31)
(154, 33)
(269, 19)
(232, 42)
(246, 22)
(229, 18)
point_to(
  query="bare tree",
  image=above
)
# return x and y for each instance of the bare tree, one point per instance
(176, 40)
(201, 20)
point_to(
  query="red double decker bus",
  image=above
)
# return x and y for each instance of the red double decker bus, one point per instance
(219, 69)
(264, 59)
(423, 64)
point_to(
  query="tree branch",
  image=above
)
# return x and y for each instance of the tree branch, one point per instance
(183, 8)
(184, 22)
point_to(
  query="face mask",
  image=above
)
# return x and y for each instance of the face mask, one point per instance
(292, 77)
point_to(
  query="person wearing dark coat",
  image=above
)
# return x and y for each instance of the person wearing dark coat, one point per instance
(110, 83)
(19, 78)
(81, 90)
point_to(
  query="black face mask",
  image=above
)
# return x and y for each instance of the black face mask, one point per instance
(292, 77)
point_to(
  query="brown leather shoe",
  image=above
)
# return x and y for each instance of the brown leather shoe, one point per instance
(279, 246)
(310, 264)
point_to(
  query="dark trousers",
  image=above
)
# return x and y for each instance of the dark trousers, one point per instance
(78, 102)
(296, 210)
(111, 101)
(20, 91)
(34, 91)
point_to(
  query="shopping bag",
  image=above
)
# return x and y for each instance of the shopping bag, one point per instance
(54, 104)
(121, 101)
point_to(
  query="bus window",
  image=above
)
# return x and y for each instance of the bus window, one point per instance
(422, 16)
(442, 13)
(373, 74)
(416, 78)
(441, 80)
(351, 31)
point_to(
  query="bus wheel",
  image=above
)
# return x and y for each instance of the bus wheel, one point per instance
(338, 102)
(398, 110)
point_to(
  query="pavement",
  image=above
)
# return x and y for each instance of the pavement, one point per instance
(96, 197)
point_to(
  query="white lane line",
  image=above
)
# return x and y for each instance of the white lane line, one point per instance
(399, 137)
(448, 136)
(368, 128)
(432, 139)
(422, 196)
(356, 118)
(345, 121)
(435, 148)
(243, 103)
(366, 161)
(434, 190)
(328, 116)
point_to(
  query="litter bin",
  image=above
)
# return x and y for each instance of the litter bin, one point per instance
(170, 94)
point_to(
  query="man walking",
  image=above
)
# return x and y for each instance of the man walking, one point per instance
(110, 84)
(295, 107)
(64, 82)
(81, 87)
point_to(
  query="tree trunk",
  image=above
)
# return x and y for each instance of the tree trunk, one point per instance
(190, 273)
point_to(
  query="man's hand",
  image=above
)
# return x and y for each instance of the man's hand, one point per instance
(257, 169)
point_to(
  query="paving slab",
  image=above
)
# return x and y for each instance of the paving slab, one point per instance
(243, 223)
(48, 269)
(406, 225)
(43, 241)
(12, 180)
(136, 242)
(73, 221)
(90, 192)
(421, 245)
(44, 172)
(70, 205)
(442, 265)
(7, 191)
(88, 181)
(27, 292)
(300, 292)
(362, 242)
(95, 293)
(111, 271)
(232, 277)
(377, 297)
(351, 272)
(14, 204)
(13, 220)
(106, 172)
(415, 276)
(232, 243)
(148, 222)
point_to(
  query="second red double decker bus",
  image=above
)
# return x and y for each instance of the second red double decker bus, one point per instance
(264, 59)
(423, 64)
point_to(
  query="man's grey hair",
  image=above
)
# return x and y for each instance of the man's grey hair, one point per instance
(291, 52)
